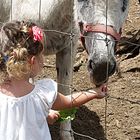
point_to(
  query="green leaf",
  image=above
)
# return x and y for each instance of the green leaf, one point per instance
(67, 114)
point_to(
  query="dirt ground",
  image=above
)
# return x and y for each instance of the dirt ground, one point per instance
(118, 118)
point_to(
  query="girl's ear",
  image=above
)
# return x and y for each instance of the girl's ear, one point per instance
(32, 60)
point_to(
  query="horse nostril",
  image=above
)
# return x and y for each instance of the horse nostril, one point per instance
(90, 65)
(112, 70)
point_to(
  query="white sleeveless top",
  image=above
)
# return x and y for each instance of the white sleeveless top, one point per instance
(24, 118)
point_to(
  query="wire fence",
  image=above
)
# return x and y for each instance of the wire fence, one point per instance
(111, 97)
(72, 35)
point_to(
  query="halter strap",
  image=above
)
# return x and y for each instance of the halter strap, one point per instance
(100, 28)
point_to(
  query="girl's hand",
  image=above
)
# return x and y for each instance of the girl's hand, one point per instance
(53, 116)
(101, 91)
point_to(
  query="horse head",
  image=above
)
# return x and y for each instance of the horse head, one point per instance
(100, 24)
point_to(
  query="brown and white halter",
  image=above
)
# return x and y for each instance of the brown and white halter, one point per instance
(98, 28)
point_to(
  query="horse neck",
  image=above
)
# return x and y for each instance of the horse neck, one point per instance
(50, 11)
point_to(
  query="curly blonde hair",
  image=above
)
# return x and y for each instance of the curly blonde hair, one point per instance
(17, 45)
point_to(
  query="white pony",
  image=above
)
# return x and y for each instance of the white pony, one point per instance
(100, 23)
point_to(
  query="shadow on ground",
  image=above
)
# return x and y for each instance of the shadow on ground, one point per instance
(86, 123)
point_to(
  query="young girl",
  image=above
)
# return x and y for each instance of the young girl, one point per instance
(24, 106)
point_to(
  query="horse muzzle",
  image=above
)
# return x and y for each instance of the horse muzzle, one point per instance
(100, 71)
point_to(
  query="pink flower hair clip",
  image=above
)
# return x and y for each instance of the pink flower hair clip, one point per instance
(37, 33)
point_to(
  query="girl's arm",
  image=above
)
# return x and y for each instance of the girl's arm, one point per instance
(79, 98)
